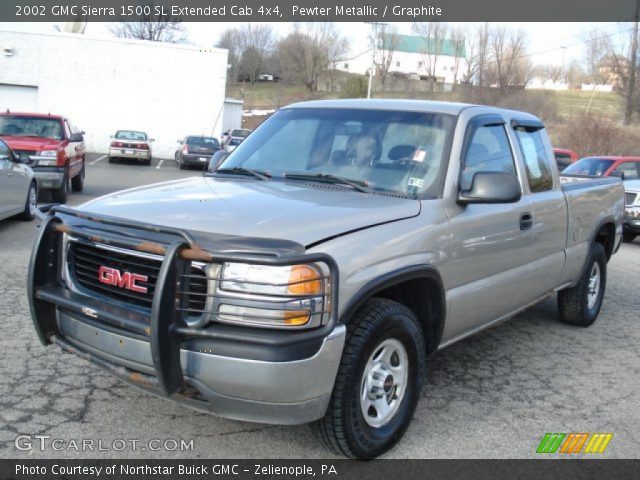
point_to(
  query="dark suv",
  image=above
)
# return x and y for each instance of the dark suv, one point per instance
(195, 151)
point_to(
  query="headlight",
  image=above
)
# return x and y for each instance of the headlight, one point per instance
(268, 280)
(276, 297)
(51, 158)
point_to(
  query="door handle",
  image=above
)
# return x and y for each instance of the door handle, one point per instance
(526, 221)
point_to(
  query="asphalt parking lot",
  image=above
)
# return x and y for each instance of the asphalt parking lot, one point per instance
(491, 396)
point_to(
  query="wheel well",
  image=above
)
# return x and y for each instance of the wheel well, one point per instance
(607, 236)
(425, 298)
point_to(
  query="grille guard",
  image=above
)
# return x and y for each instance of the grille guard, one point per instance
(167, 327)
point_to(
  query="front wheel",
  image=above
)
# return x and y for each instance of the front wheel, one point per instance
(61, 194)
(580, 305)
(378, 382)
(32, 200)
(77, 183)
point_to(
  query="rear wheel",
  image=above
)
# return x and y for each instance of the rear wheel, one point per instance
(378, 382)
(112, 159)
(61, 194)
(32, 200)
(77, 183)
(580, 305)
(628, 237)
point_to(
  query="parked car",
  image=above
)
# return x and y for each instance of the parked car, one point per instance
(18, 186)
(52, 146)
(196, 151)
(627, 168)
(309, 276)
(235, 138)
(564, 157)
(631, 225)
(131, 145)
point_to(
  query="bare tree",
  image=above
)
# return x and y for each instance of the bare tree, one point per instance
(229, 40)
(157, 28)
(458, 41)
(597, 46)
(255, 43)
(554, 73)
(434, 35)
(509, 64)
(483, 54)
(305, 52)
(337, 49)
(388, 43)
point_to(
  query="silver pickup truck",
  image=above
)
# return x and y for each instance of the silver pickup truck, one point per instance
(310, 275)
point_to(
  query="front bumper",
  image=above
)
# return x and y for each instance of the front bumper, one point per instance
(631, 222)
(236, 372)
(49, 178)
(130, 153)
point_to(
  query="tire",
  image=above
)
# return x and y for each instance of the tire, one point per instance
(61, 194)
(29, 212)
(77, 182)
(146, 162)
(379, 326)
(580, 305)
(112, 160)
(628, 237)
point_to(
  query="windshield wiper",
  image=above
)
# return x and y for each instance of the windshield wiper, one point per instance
(259, 174)
(358, 185)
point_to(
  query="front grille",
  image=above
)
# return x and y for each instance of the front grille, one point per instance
(26, 152)
(85, 262)
(629, 198)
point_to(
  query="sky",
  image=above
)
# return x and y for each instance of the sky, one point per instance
(554, 43)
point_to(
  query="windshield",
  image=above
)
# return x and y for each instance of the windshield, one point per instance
(204, 141)
(594, 167)
(23, 126)
(235, 141)
(400, 152)
(240, 133)
(130, 135)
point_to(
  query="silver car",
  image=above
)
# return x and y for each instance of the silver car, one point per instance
(18, 187)
(130, 145)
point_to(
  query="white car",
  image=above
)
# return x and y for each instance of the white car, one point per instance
(130, 145)
(18, 186)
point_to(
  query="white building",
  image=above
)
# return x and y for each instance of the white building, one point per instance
(105, 84)
(413, 56)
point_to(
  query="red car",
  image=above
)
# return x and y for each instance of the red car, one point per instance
(564, 157)
(627, 168)
(51, 146)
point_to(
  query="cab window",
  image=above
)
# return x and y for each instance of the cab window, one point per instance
(536, 161)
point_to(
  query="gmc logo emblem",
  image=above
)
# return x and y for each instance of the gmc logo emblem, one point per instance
(126, 280)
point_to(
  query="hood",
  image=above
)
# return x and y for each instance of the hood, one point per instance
(301, 212)
(632, 186)
(31, 143)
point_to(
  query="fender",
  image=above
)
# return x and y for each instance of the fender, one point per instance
(395, 277)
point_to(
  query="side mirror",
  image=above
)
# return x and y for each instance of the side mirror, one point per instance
(491, 187)
(179, 141)
(110, 136)
(620, 175)
(152, 139)
(216, 159)
(76, 137)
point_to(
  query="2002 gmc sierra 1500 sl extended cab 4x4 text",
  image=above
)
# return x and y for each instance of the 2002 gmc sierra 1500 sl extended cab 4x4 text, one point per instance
(312, 273)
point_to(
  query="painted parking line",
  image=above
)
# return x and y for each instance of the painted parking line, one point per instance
(159, 164)
(93, 162)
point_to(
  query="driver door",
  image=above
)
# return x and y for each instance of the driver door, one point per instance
(490, 243)
(9, 182)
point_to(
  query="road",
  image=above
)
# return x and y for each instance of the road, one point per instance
(491, 396)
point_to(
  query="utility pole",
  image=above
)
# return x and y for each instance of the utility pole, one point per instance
(373, 56)
(633, 66)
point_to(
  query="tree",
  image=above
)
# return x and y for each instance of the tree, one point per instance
(458, 41)
(229, 41)
(306, 52)
(337, 49)
(256, 42)
(434, 35)
(597, 46)
(157, 28)
(509, 64)
(388, 43)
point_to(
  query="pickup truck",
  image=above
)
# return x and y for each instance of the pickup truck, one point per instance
(51, 146)
(309, 276)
